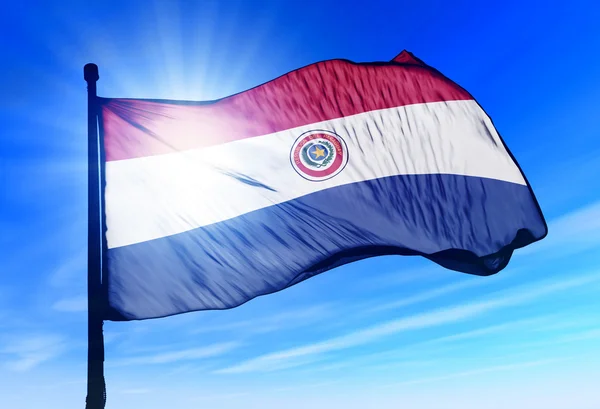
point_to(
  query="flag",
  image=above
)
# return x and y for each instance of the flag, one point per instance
(210, 204)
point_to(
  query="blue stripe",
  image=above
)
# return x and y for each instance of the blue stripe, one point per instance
(467, 224)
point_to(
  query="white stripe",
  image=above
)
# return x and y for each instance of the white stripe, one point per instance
(158, 196)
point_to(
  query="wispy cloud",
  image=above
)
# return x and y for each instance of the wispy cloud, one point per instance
(27, 352)
(176, 356)
(496, 368)
(111, 336)
(420, 321)
(135, 391)
(491, 329)
(62, 384)
(404, 276)
(571, 233)
(74, 304)
(220, 397)
(71, 270)
(305, 386)
(185, 368)
(286, 319)
(375, 361)
(405, 357)
(569, 320)
(580, 336)
(431, 294)
(573, 337)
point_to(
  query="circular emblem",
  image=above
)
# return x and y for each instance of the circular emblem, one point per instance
(319, 155)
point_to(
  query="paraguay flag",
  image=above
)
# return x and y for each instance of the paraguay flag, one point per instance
(210, 204)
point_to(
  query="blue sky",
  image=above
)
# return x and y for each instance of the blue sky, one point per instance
(382, 333)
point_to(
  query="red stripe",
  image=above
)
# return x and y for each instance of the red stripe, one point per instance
(318, 92)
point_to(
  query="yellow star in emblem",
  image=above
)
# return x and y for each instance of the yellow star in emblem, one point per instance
(318, 152)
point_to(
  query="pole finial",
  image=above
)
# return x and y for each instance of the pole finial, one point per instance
(90, 73)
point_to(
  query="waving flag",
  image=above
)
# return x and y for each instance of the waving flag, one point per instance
(210, 204)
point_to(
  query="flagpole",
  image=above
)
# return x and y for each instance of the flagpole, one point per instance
(95, 371)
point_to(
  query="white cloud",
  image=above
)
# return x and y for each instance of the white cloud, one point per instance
(492, 329)
(74, 304)
(305, 386)
(220, 397)
(496, 368)
(404, 357)
(27, 352)
(404, 276)
(569, 320)
(274, 322)
(71, 272)
(111, 336)
(425, 320)
(581, 336)
(181, 355)
(433, 293)
(266, 362)
(62, 384)
(135, 391)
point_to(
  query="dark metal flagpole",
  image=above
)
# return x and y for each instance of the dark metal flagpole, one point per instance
(95, 375)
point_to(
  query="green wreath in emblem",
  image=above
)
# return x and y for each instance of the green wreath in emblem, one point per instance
(325, 161)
